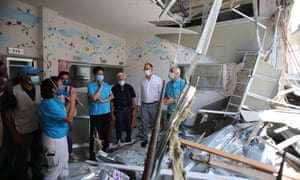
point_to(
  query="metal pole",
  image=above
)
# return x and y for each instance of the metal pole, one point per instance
(153, 142)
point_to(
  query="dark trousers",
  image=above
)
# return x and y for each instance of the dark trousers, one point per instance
(100, 124)
(7, 157)
(31, 144)
(123, 120)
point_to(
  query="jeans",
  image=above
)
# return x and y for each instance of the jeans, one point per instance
(148, 113)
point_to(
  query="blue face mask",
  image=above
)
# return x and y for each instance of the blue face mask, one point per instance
(60, 92)
(65, 82)
(171, 75)
(100, 78)
(34, 79)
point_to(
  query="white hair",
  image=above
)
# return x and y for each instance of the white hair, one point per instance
(177, 69)
(121, 74)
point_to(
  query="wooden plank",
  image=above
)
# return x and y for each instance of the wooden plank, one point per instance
(116, 166)
(256, 164)
(251, 173)
(199, 175)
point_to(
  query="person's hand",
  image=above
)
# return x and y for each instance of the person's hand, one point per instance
(99, 100)
(17, 139)
(168, 101)
(113, 117)
(73, 95)
(138, 108)
(99, 83)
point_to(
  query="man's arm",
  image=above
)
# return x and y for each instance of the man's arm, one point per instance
(1, 129)
(9, 122)
(96, 95)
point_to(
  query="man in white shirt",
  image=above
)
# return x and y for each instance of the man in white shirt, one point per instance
(148, 98)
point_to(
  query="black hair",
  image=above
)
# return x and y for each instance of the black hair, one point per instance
(63, 73)
(54, 79)
(149, 65)
(46, 87)
(97, 68)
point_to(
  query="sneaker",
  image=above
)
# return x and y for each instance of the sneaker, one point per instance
(144, 143)
(127, 140)
(73, 157)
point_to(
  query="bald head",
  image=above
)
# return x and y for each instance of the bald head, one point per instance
(174, 73)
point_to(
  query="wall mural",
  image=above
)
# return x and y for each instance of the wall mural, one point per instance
(78, 44)
(158, 52)
(18, 27)
(165, 50)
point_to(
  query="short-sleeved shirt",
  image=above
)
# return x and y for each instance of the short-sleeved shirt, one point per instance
(7, 101)
(173, 89)
(123, 98)
(52, 113)
(97, 108)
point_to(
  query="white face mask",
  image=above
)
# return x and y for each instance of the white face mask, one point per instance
(147, 72)
(122, 82)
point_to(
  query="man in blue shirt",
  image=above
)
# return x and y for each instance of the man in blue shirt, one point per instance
(173, 89)
(100, 95)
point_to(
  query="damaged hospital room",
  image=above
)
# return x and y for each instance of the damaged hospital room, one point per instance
(150, 89)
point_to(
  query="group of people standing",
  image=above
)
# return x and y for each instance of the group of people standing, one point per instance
(37, 121)
(35, 124)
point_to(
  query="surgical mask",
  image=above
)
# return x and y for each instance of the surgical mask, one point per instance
(60, 91)
(171, 75)
(34, 79)
(65, 82)
(100, 78)
(121, 82)
(147, 72)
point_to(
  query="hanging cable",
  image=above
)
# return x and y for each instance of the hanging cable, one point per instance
(255, 13)
(178, 45)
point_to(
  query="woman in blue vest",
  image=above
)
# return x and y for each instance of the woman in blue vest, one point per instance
(55, 119)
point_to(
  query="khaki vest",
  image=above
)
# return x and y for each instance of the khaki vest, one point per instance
(26, 115)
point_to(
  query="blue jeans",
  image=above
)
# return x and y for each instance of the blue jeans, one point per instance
(148, 113)
(70, 137)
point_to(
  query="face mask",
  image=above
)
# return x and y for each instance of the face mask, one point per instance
(121, 82)
(60, 91)
(65, 82)
(147, 72)
(100, 78)
(171, 75)
(34, 79)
